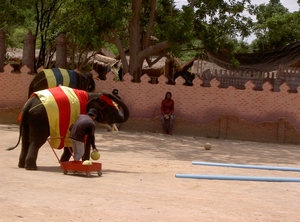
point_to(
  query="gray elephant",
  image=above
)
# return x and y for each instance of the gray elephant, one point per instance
(49, 78)
(51, 112)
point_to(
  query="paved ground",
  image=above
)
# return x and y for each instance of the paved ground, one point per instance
(139, 183)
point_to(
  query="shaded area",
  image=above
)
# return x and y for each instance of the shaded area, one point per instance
(192, 149)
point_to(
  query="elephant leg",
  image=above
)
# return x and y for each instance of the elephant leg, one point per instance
(24, 149)
(66, 155)
(34, 146)
(22, 158)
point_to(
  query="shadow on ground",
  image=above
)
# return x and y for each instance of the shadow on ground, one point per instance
(192, 148)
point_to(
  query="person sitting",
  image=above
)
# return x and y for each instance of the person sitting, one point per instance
(115, 126)
(167, 109)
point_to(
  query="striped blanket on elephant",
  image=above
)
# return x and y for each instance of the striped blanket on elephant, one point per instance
(63, 106)
(57, 76)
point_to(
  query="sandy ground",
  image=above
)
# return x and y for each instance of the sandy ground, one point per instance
(139, 184)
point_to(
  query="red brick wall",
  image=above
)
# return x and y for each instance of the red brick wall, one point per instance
(199, 105)
(14, 87)
(203, 105)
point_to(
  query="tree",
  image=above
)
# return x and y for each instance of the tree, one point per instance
(35, 16)
(217, 22)
(45, 13)
(14, 17)
(148, 29)
(79, 25)
(263, 13)
(151, 27)
(144, 28)
(11, 15)
(46, 20)
(283, 29)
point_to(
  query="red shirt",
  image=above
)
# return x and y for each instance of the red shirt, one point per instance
(167, 106)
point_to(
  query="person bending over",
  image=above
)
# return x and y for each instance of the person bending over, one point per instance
(84, 126)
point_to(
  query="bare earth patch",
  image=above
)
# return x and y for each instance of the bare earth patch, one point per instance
(139, 184)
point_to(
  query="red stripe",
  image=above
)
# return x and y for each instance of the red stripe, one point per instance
(107, 99)
(64, 111)
(83, 99)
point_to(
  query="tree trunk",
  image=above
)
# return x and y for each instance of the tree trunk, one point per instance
(134, 44)
(137, 51)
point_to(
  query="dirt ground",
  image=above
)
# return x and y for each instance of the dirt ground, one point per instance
(139, 184)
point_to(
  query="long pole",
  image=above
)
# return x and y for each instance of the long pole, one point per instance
(242, 178)
(260, 167)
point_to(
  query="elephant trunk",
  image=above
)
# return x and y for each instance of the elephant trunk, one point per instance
(111, 109)
(123, 110)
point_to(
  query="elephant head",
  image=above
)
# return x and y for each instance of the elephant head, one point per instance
(52, 111)
(49, 78)
(113, 107)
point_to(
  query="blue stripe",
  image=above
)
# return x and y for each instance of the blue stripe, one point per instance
(243, 178)
(259, 167)
(73, 79)
(58, 76)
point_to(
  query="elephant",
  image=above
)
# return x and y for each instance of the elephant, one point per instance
(38, 120)
(49, 78)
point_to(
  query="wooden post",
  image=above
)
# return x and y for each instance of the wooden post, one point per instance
(61, 52)
(28, 57)
(2, 50)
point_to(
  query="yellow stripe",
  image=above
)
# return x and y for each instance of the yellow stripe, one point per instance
(75, 109)
(51, 107)
(49, 102)
(50, 78)
(66, 77)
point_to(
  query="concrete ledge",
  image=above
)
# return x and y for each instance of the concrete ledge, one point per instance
(225, 127)
(181, 127)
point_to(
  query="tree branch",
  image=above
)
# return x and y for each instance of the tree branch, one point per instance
(150, 24)
(116, 40)
(154, 49)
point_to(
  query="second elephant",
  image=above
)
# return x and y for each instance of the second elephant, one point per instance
(49, 78)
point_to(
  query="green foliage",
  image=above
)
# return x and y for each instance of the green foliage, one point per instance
(265, 11)
(80, 27)
(218, 21)
(10, 15)
(16, 21)
(283, 29)
(214, 24)
(243, 47)
(274, 27)
(176, 29)
(16, 39)
(111, 47)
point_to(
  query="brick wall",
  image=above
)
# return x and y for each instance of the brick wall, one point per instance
(209, 111)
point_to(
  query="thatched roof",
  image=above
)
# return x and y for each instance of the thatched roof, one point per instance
(104, 59)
